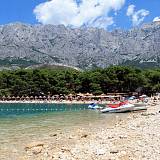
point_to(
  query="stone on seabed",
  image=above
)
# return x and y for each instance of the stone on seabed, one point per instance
(34, 144)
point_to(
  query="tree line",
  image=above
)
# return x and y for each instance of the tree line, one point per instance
(36, 82)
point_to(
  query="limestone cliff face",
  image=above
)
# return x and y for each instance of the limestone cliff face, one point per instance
(26, 45)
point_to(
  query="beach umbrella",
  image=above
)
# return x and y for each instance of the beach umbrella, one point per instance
(31, 97)
(66, 97)
(52, 97)
(8, 97)
(27, 97)
(13, 97)
(80, 94)
(35, 97)
(78, 97)
(17, 97)
(44, 97)
(22, 97)
(88, 94)
(103, 95)
(3, 96)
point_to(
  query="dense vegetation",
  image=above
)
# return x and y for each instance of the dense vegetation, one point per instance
(64, 81)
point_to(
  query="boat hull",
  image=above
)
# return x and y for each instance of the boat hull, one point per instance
(140, 108)
(121, 109)
(140, 104)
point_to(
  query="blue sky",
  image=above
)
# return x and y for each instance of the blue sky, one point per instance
(18, 10)
(153, 6)
(29, 11)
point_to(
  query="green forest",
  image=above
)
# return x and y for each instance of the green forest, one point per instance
(47, 81)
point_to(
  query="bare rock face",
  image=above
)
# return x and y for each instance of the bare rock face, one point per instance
(25, 45)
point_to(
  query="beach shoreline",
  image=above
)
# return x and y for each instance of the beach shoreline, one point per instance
(135, 137)
(128, 139)
(132, 138)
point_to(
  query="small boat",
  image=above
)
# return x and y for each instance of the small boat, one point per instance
(143, 108)
(94, 106)
(140, 106)
(118, 108)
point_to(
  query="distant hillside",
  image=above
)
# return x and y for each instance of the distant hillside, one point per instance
(54, 66)
(23, 45)
(40, 66)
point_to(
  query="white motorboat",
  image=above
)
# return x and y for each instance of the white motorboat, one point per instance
(120, 109)
(140, 106)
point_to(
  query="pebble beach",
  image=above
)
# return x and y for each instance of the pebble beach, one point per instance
(135, 137)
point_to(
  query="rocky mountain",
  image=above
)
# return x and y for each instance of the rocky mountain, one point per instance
(23, 45)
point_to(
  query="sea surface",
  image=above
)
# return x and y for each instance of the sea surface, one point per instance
(23, 123)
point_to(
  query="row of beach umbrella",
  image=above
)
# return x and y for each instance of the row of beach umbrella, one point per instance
(56, 97)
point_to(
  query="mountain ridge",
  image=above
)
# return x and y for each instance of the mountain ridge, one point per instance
(24, 45)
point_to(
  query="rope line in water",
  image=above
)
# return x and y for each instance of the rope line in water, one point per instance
(40, 109)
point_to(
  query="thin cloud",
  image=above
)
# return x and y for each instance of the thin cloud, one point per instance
(137, 17)
(70, 13)
(156, 19)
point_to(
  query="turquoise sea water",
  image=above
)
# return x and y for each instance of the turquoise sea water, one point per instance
(19, 116)
(24, 123)
(33, 119)
(28, 109)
